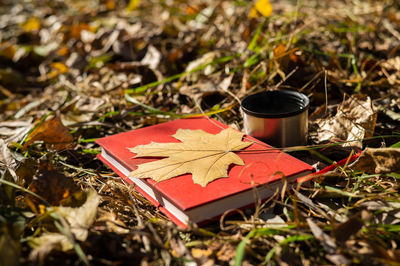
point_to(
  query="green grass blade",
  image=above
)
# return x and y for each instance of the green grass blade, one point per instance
(253, 42)
(240, 250)
(144, 88)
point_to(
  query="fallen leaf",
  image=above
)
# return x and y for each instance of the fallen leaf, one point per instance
(206, 156)
(81, 218)
(57, 68)
(262, 7)
(355, 119)
(378, 161)
(345, 230)
(54, 187)
(53, 133)
(47, 242)
(133, 4)
(32, 24)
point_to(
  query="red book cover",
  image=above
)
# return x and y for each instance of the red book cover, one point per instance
(263, 166)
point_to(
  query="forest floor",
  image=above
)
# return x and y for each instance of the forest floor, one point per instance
(74, 71)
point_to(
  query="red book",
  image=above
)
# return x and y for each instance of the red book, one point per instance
(180, 198)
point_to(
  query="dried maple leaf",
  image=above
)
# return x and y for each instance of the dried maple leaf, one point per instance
(206, 156)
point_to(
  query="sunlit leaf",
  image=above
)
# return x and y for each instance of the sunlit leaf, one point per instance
(53, 133)
(81, 218)
(355, 119)
(32, 24)
(262, 7)
(57, 68)
(78, 220)
(206, 156)
(133, 4)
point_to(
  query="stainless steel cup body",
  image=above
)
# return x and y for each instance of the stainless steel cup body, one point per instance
(280, 118)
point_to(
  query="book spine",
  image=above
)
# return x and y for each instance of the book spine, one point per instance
(144, 194)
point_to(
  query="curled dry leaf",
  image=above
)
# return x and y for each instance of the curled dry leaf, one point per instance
(47, 242)
(206, 156)
(53, 133)
(355, 119)
(79, 220)
(378, 161)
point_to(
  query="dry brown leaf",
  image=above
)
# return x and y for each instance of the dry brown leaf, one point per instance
(378, 161)
(355, 119)
(351, 227)
(206, 156)
(53, 186)
(52, 132)
(79, 221)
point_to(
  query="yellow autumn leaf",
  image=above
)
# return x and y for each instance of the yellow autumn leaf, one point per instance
(262, 7)
(206, 156)
(32, 24)
(57, 68)
(133, 4)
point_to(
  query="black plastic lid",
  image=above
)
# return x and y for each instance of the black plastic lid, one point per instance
(275, 104)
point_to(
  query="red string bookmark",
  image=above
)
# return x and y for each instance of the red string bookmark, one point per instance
(329, 168)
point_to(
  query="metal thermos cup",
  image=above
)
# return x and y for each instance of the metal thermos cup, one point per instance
(279, 117)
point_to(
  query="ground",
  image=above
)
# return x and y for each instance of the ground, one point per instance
(73, 71)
